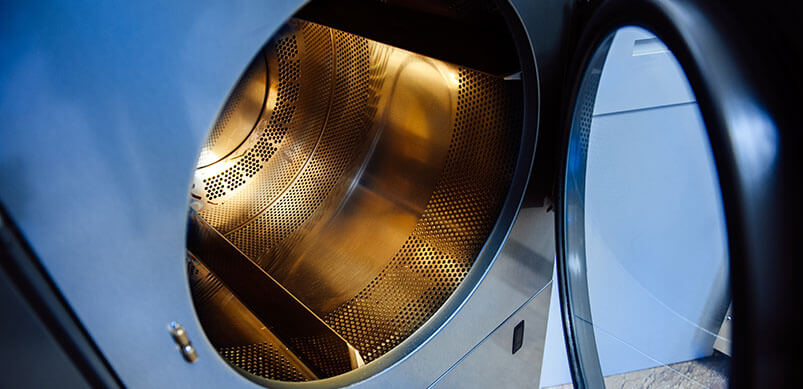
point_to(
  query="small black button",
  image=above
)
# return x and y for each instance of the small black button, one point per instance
(518, 336)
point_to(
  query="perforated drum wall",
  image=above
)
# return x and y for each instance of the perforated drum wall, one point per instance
(367, 188)
(453, 228)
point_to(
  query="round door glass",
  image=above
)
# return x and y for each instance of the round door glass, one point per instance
(645, 238)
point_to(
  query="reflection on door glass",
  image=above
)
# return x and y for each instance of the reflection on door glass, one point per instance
(651, 221)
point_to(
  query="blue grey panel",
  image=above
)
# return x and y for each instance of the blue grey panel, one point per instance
(655, 238)
(555, 368)
(640, 72)
(491, 362)
(104, 108)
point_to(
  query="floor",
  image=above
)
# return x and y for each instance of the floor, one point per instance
(709, 372)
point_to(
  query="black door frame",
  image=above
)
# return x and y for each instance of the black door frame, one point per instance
(742, 82)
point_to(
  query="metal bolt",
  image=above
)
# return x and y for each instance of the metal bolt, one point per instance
(180, 337)
(196, 205)
(189, 353)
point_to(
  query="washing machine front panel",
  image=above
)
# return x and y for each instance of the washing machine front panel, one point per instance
(118, 99)
(296, 258)
(106, 106)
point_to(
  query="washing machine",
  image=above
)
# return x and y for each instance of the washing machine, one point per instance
(396, 193)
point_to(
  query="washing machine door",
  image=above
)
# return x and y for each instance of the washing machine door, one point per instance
(672, 139)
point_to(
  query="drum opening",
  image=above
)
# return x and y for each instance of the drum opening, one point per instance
(350, 181)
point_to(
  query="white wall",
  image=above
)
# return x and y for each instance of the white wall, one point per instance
(655, 236)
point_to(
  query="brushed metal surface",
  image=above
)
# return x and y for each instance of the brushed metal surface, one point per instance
(410, 162)
(240, 337)
(519, 370)
(377, 201)
(521, 268)
(724, 341)
(237, 189)
(239, 116)
(320, 348)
